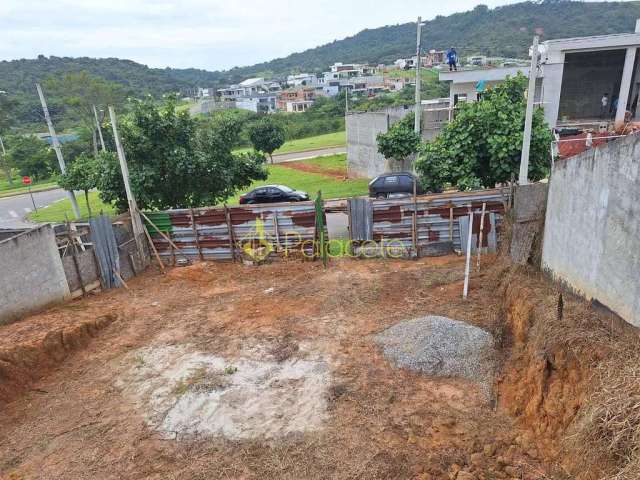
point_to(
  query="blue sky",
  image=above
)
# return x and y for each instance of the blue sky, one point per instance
(209, 34)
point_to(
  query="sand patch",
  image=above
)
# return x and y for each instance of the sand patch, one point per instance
(183, 392)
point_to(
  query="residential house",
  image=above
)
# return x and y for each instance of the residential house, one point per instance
(255, 94)
(572, 77)
(296, 99)
(302, 80)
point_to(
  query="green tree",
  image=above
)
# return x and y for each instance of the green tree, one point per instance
(400, 141)
(78, 92)
(483, 143)
(174, 162)
(266, 136)
(81, 175)
(7, 109)
(31, 156)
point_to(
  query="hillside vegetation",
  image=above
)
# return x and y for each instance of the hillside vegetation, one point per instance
(502, 31)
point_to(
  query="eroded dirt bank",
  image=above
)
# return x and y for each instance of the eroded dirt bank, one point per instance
(110, 410)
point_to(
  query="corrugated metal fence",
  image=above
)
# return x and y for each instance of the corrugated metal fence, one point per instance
(255, 232)
(231, 233)
(430, 226)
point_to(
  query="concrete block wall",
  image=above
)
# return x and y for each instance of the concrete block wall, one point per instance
(363, 159)
(592, 225)
(31, 273)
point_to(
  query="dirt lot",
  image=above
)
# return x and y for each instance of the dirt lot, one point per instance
(140, 394)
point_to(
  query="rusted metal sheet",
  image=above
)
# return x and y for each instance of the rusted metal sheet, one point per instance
(217, 234)
(436, 219)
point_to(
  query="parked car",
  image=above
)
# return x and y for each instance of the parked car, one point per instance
(273, 194)
(392, 185)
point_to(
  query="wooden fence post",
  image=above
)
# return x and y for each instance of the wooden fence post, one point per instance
(232, 237)
(195, 233)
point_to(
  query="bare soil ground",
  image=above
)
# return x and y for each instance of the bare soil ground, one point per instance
(85, 417)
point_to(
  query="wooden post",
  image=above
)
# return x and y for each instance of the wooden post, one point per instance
(195, 233)
(414, 219)
(276, 229)
(76, 266)
(232, 237)
(484, 206)
(95, 114)
(132, 263)
(164, 236)
(56, 147)
(136, 223)
(467, 266)
(451, 224)
(155, 252)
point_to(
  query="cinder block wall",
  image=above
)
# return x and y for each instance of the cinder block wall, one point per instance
(592, 225)
(363, 159)
(31, 273)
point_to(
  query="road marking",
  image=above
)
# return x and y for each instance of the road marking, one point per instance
(13, 214)
(27, 209)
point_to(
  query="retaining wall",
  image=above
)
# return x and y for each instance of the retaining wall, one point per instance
(592, 225)
(32, 275)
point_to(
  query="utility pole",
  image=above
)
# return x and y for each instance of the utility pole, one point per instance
(523, 178)
(418, 111)
(57, 149)
(95, 114)
(136, 222)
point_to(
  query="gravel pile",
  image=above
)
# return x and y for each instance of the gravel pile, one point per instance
(441, 347)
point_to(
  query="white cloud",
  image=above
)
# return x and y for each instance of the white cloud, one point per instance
(211, 34)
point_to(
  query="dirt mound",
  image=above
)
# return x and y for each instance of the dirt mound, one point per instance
(22, 364)
(553, 345)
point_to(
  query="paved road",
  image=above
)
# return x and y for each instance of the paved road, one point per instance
(292, 157)
(14, 209)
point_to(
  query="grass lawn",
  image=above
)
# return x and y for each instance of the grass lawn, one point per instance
(336, 139)
(328, 162)
(56, 211)
(7, 190)
(330, 186)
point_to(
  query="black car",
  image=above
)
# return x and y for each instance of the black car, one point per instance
(393, 185)
(273, 194)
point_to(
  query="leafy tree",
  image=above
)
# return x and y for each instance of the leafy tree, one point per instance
(81, 174)
(7, 109)
(400, 141)
(266, 136)
(79, 92)
(31, 156)
(483, 143)
(174, 162)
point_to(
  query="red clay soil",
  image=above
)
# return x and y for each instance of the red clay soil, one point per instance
(69, 420)
(309, 168)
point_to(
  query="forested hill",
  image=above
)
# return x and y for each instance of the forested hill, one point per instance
(502, 31)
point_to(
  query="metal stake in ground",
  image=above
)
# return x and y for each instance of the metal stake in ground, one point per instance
(467, 266)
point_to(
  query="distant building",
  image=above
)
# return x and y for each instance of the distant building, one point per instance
(357, 78)
(435, 57)
(302, 80)
(254, 94)
(258, 102)
(296, 99)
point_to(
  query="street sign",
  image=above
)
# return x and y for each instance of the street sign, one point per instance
(26, 180)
